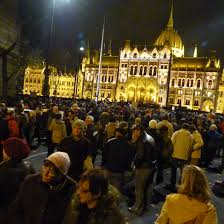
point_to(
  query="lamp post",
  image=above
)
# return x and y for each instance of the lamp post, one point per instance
(47, 71)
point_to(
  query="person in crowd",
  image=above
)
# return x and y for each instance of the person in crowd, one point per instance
(197, 145)
(212, 143)
(44, 197)
(165, 122)
(138, 120)
(192, 202)
(183, 144)
(93, 202)
(79, 150)
(68, 122)
(117, 156)
(12, 124)
(58, 129)
(144, 160)
(13, 170)
(110, 128)
(164, 153)
(91, 134)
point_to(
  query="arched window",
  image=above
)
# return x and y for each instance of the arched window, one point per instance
(125, 55)
(179, 101)
(183, 82)
(173, 82)
(132, 70)
(188, 82)
(154, 55)
(145, 70)
(136, 70)
(196, 102)
(210, 84)
(179, 82)
(165, 55)
(192, 82)
(155, 71)
(198, 83)
(111, 78)
(150, 70)
(135, 55)
(141, 70)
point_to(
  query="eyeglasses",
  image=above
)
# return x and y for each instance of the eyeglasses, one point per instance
(50, 167)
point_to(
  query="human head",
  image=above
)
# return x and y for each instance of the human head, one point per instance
(185, 126)
(89, 120)
(213, 127)
(153, 124)
(138, 120)
(163, 130)
(15, 149)
(137, 131)
(194, 183)
(58, 116)
(55, 109)
(55, 166)
(193, 128)
(92, 185)
(122, 129)
(78, 128)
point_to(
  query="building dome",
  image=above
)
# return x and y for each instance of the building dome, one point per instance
(170, 37)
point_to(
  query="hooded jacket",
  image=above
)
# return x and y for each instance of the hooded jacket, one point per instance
(180, 209)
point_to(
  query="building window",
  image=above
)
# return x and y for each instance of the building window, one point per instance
(136, 70)
(180, 92)
(109, 94)
(173, 82)
(161, 67)
(160, 99)
(141, 70)
(135, 55)
(220, 93)
(125, 55)
(198, 83)
(165, 55)
(171, 101)
(210, 84)
(187, 102)
(192, 82)
(179, 101)
(155, 71)
(145, 70)
(150, 70)
(183, 82)
(122, 65)
(27, 80)
(188, 82)
(132, 70)
(154, 55)
(102, 94)
(179, 82)
(196, 102)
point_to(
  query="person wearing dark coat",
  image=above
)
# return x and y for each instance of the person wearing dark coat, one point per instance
(94, 202)
(13, 170)
(43, 198)
(117, 156)
(79, 150)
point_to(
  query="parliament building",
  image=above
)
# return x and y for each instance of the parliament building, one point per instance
(158, 74)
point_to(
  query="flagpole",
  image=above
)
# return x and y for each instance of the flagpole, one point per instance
(100, 64)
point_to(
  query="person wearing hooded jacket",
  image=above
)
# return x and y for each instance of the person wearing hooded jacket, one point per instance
(43, 198)
(192, 202)
(13, 170)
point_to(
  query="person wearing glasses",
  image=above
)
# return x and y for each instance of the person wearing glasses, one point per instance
(94, 202)
(43, 197)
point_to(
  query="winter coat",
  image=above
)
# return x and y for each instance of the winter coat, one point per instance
(180, 209)
(117, 155)
(58, 129)
(12, 174)
(144, 149)
(78, 151)
(38, 203)
(182, 143)
(197, 145)
(106, 211)
(13, 127)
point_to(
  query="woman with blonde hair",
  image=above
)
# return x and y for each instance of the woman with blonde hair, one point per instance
(191, 205)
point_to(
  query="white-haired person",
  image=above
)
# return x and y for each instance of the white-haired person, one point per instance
(192, 202)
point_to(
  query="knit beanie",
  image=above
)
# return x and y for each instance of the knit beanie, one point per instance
(79, 124)
(153, 124)
(138, 120)
(61, 161)
(16, 148)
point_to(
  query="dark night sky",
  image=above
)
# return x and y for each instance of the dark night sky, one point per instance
(198, 22)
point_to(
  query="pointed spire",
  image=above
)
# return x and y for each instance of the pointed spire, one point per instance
(110, 48)
(195, 51)
(170, 22)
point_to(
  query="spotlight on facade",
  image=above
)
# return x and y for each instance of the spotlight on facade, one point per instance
(82, 48)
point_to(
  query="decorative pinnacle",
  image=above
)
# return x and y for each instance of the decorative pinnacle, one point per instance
(170, 22)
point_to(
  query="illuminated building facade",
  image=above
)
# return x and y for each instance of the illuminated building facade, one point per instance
(158, 74)
(61, 84)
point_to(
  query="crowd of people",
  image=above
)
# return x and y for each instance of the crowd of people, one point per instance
(102, 153)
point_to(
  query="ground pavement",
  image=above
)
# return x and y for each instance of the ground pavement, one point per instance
(38, 155)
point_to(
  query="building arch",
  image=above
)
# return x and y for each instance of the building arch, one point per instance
(207, 105)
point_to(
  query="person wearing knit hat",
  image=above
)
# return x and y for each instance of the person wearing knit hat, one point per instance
(46, 195)
(15, 148)
(13, 170)
(153, 124)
